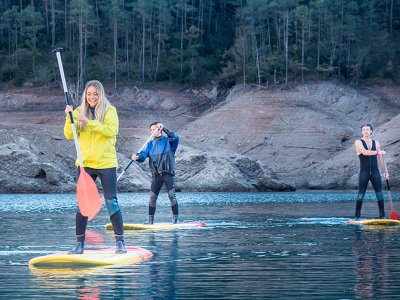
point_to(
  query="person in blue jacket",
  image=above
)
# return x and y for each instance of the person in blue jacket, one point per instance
(161, 153)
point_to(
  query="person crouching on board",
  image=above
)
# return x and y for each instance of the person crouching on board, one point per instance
(161, 153)
(97, 129)
(369, 152)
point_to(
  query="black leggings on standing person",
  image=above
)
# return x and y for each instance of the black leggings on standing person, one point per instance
(108, 179)
(156, 184)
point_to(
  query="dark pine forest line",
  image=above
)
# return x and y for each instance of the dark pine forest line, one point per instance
(262, 42)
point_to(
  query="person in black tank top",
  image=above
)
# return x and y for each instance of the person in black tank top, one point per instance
(369, 152)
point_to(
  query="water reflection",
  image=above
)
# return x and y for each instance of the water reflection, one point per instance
(371, 261)
(163, 269)
(92, 283)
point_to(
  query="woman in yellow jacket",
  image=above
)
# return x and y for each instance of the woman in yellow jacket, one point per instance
(96, 122)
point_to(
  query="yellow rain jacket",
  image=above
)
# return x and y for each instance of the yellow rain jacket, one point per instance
(97, 140)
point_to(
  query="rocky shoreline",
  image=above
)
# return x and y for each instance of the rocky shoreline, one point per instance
(251, 140)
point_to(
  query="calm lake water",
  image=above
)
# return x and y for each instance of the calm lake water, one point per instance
(255, 246)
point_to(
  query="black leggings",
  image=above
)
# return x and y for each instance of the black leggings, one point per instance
(156, 184)
(108, 178)
(364, 178)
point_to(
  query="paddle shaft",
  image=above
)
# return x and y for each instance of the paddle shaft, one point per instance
(67, 101)
(140, 150)
(385, 170)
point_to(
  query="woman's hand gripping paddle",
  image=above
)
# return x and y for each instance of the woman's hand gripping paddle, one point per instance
(393, 214)
(87, 193)
(141, 148)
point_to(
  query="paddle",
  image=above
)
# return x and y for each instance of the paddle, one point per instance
(393, 214)
(141, 148)
(87, 194)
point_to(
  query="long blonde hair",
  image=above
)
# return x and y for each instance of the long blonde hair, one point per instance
(102, 105)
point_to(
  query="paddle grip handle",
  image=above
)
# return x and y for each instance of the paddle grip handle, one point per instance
(64, 83)
(67, 101)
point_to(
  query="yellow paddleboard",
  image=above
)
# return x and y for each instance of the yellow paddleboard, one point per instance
(158, 226)
(384, 222)
(90, 258)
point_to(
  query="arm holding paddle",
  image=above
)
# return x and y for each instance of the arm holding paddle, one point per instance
(382, 162)
(109, 127)
(67, 126)
(140, 150)
(142, 154)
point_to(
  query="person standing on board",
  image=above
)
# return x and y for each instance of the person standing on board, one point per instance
(161, 153)
(369, 152)
(97, 127)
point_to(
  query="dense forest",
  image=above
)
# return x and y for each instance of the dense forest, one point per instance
(263, 42)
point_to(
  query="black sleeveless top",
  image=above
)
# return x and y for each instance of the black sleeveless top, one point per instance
(368, 164)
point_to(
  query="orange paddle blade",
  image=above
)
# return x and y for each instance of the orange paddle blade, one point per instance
(87, 195)
(394, 215)
(98, 203)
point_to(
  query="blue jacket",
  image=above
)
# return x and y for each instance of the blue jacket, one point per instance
(161, 153)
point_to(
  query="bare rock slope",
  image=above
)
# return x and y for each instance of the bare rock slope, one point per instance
(306, 134)
(250, 140)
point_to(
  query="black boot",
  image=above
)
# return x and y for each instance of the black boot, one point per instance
(80, 245)
(357, 214)
(175, 219)
(150, 220)
(381, 206)
(359, 203)
(119, 244)
(175, 213)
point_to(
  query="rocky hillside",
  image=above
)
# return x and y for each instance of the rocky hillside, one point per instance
(249, 139)
(306, 134)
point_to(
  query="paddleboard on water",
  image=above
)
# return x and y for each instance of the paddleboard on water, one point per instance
(382, 222)
(90, 258)
(158, 226)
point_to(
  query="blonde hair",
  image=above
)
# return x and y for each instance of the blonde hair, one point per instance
(102, 105)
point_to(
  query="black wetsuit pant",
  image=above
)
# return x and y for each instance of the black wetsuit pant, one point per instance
(363, 179)
(108, 179)
(156, 184)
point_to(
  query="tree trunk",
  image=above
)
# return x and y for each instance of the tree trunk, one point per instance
(133, 41)
(319, 40)
(46, 12)
(143, 43)
(302, 49)
(115, 52)
(80, 65)
(269, 33)
(66, 22)
(53, 24)
(278, 36)
(244, 58)
(256, 51)
(286, 46)
(341, 37)
(182, 36)
(127, 52)
(96, 7)
(391, 17)
(158, 51)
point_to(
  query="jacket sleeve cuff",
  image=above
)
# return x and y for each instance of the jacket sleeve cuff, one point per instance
(168, 132)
